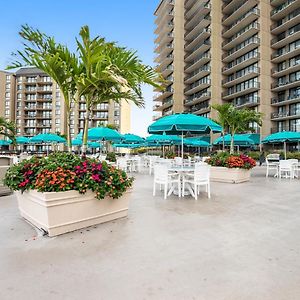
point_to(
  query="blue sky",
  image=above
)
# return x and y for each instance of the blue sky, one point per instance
(128, 22)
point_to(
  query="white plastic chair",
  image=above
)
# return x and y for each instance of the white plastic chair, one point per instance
(271, 165)
(152, 161)
(122, 164)
(201, 176)
(295, 166)
(178, 161)
(285, 168)
(165, 179)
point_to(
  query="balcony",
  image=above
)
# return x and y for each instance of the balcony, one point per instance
(240, 23)
(167, 71)
(195, 20)
(197, 9)
(238, 65)
(290, 68)
(285, 54)
(161, 30)
(285, 25)
(285, 101)
(164, 39)
(241, 36)
(194, 99)
(247, 102)
(277, 43)
(281, 86)
(197, 52)
(238, 78)
(164, 50)
(241, 49)
(203, 35)
(163, 95)
(286, 115)
(196, 86)
(197, 74)
(165, 17)
(163, 105)
(284, 9)
(198, 111)
(196, 64)
(197, 31)
(165, 62)
(237, 93)
(241, 9)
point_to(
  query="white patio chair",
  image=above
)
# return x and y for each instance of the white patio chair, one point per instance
(122, 164)
(165, 180)
(200, 176)
(152, 161)
(271, 165)
(295, 166)
(178, 161)
(285, 169)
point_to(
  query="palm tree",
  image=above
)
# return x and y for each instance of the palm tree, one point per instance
(237, 120)
(8, 129)
(109, 73)
(54, 59)
(222, 110)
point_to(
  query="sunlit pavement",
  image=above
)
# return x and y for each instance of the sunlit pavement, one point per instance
(243, 243)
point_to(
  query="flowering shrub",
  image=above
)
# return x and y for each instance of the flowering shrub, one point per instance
(231, 161)
(65, 171)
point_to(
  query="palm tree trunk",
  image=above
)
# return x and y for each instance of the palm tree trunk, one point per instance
(223, 140)
(85, 132)
(69, 144)
(232, 143)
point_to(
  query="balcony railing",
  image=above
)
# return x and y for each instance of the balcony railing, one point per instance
(282, 7)
(284, 114)
(290, 98)
(251, 11)
(243, 102)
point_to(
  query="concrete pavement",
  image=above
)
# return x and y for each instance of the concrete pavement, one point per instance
(243, 244)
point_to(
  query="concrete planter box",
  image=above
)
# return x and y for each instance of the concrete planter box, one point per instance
(234, 175)
(62, 212)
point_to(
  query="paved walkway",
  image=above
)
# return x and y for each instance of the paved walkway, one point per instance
(242, 244)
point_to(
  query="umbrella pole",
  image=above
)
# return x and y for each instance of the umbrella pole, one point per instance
(182, 145)
(284, 145)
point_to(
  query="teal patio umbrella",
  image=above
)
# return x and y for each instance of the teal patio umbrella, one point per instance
(183, 124)
(47, 138)
(5, 142)
(132, 139)
(128, 146)
(282, 137)
(239, 140)
(21, 140)
(102, 134)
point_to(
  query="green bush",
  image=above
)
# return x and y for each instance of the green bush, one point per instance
(293, 155)
(111, 156)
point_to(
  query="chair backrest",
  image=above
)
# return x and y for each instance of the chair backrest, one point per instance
(293, 161)
(273, 156)
(285, 164)
(161, 172)
(202, 172)
(122, 163)
(178, 161)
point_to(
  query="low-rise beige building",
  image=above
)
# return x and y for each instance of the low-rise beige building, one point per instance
(246, 52)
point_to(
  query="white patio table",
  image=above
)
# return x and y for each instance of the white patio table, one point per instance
(181, 171)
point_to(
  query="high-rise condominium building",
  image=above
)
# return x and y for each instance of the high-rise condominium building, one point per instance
(246, 52)
(34, 101)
